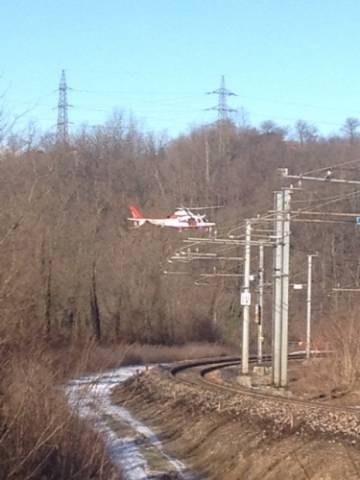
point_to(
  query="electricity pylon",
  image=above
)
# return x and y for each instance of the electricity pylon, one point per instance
(222, 107)
(62, 132)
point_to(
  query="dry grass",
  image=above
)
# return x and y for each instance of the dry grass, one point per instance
(336, 376)
(98, 358)
(78, 359)
(313, 378)
(40, 438)
(339, 334)
(144, 354)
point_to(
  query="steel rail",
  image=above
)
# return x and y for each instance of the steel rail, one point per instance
(210, 365)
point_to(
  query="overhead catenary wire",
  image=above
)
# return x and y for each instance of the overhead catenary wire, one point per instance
(333, 167)
(330, 200)
(334, 200)
(318, 199)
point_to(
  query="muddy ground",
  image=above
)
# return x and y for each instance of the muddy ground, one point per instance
(222, 446)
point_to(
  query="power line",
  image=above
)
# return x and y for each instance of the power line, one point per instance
(293, 119)
(187, 94)
(169, 102)
(178, 94)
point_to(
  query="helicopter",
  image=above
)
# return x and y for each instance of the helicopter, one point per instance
(182, 219)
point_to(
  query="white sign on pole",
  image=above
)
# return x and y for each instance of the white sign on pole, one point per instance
(245, 299)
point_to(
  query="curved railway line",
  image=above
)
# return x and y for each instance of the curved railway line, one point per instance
(313, 415)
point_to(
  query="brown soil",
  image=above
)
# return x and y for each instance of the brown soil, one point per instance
(224, 447)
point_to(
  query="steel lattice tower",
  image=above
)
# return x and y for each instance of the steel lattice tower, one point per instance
(62, 121)
(222, 108)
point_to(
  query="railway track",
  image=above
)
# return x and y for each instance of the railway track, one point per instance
(292, 412)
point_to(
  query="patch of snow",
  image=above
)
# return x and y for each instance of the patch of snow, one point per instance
(91, 397)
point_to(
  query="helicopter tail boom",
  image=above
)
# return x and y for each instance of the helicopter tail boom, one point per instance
(136, 216)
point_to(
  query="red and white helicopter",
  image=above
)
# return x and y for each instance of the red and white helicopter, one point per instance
(182, 219)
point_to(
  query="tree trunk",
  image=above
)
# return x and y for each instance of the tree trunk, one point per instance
(95, 312)
(48, 300)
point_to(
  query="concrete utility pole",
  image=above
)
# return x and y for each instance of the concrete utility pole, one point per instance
(260, 305)
(308, 306)
(285, 288)
(246, 301)
(281, 287)
(276, 303)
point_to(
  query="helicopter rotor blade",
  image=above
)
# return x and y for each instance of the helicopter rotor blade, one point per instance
(202, 208)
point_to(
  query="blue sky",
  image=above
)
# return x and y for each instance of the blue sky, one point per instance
(285, 59)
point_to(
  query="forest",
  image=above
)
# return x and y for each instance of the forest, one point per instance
(74, 272)
(73, 267)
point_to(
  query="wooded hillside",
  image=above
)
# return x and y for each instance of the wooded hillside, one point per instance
(72, 266)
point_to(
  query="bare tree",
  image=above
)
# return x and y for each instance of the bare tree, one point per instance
(350, 127)
(269, 127)
(305, 132)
